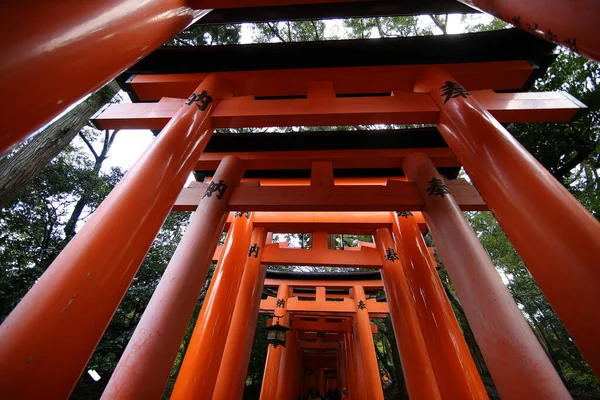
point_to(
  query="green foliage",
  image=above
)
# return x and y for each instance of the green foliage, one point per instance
(31, 227)
(207, 35)
(365, 28)
(570, 151)
(289, 31)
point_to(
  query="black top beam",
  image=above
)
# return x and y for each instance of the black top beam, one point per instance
(353, 9)
(503, 45)
(325, 276)
(327, 140)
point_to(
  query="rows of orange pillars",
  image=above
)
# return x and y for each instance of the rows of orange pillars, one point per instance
(62, 38)
(47, 340)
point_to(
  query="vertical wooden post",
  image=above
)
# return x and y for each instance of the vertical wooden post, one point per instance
(268, 390)
(202, 360)
(46, 341)
(517, 362)
(144, 367)
(371, 378)
(234, 365)
(286, 385)
(554, 235)
(52, 60)
(418, 371)
(455, 371)
(359, 388)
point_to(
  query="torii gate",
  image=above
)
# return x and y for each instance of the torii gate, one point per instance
(466, 86)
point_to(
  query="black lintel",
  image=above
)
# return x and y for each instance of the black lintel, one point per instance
(327, 140)
(354, 9)
(502, 45)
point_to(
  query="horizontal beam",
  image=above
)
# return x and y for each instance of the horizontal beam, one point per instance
(356, 223)
(353, 257)
(367, 284)
(503, 75)
(326, 345)
(341, 159)
(402, 108)
(468, 54)
(331, 10)
(396, 195)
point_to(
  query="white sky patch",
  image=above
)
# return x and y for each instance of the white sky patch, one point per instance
(95, 376)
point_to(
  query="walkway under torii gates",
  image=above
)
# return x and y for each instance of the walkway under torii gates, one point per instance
(390, 183)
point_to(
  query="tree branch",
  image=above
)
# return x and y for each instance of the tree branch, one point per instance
(438, 24)
(275, 31)
(89, 145)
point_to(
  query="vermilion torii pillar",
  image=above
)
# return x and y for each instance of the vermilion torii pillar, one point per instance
(416, 364)
(455, 371)
(570, 23)
(144, 367)
(553, 233)
(48, 338)
(268, 390)
(286, 384)
(200, 366)
(234, 364)
(371, 379)
(69, 48)
(515, 358)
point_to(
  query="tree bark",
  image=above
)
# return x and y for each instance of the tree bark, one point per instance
(18, 168)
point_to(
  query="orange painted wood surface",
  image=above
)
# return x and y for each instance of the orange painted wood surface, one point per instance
(402, 108)
(340, 159)
(502, 75)
(396, 195)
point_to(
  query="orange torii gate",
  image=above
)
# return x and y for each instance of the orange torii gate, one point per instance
(465, 87)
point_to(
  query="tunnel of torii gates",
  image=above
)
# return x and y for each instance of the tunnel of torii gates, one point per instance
(392, 184)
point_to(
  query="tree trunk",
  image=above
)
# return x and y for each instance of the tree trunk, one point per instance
(18, 168)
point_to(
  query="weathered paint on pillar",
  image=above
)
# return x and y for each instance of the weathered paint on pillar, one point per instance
(46, 342)
(515, 358)
(455, 371)
(70, 48)
(554, 235)
(371, 378)
(200, 366)
(144, 367)
(569, 23)
(271, 374)
(416, 365)
(234, 365)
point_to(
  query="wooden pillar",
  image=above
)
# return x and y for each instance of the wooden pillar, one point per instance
(200, 366)
(286, 385)
(144, 367)
(416, 364)
(554, 235)
(53, 59)
(66, 312)
(359, 365)
(517, 362)
(268, 390)
(371, 378)
(352, 367)
(455, 371)
(234, 365)
(568, 23)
